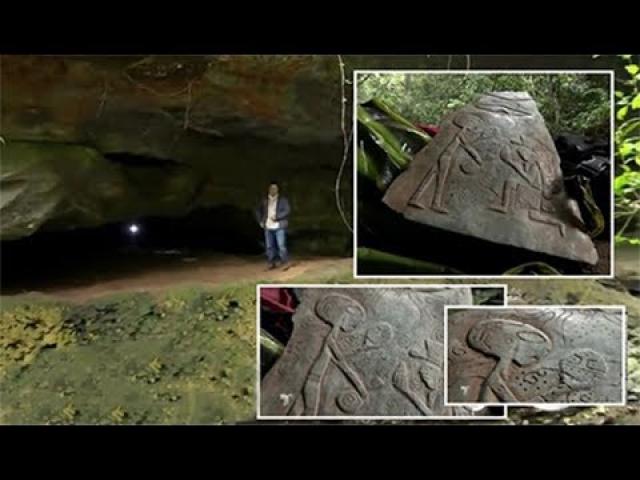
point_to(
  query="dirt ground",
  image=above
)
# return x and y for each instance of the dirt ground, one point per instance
(211, 271)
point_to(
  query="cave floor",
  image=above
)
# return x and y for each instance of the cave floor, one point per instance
(174, 270)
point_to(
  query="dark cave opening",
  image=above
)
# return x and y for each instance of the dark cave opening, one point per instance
(141, 161)
(219, 222)
(86, 256)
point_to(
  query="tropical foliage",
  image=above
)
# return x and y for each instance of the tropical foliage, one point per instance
(627, 135)
(574, 103)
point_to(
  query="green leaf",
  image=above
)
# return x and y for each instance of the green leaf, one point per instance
(622, 113)
(383, 137)
(632, 69)
(619, 94)
(635, 103)
(627, 127)
(401, 122)
(626, 149)
(366, 165)
(621, 239)
(628, 179)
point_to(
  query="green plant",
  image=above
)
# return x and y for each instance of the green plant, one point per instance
(385, 139)
(627, 137)
(578, 103)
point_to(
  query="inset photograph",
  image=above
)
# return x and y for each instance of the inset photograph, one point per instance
(528, 356)
(359, 352)
(483, 173)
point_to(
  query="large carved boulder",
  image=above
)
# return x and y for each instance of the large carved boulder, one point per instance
(493, 173)
(535, 355)
(364, 352)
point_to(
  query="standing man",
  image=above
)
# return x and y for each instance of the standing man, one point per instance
(273, 215)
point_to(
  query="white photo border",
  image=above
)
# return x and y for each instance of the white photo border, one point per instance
(347, 418)
(354, 147)
(540, 405)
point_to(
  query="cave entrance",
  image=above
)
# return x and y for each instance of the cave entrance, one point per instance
(209, 245)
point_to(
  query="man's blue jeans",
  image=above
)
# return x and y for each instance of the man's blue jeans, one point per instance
(276, 244)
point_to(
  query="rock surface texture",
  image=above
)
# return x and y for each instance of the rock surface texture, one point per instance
(493, 173)
(536, 355)
(363, 352)
(92, 140)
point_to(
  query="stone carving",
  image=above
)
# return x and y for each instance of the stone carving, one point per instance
(535, 355)
(493, 172)
(364, 352)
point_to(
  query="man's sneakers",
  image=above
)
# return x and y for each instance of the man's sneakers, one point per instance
(284, 266)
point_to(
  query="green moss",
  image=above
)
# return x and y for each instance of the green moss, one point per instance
(182, 357)
(26, 329)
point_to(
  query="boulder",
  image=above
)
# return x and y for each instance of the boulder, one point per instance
(493, 173)
(364, 352)
(530, 356)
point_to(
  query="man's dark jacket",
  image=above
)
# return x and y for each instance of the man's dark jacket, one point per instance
(282, 211)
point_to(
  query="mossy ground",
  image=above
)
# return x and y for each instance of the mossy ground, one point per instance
(186, 356)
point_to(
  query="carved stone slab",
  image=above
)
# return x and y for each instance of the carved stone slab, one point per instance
(493, 172)
(535, 355)
(364, 352)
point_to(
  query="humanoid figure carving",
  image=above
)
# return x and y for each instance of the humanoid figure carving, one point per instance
(401, 380)
(470, 131)
(428, 363)
(528, 161)
(508, 341)
(344, 315)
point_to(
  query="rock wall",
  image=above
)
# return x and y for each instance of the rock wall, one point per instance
(88, 141)
(92, 140)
